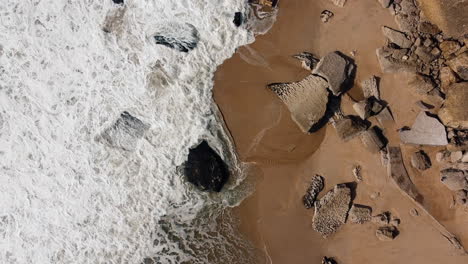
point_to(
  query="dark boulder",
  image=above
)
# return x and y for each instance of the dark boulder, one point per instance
(119, 2)
(205, 168)
(178, 36)
(238, 19)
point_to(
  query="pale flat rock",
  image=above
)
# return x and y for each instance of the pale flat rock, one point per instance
(449, 15)
(454, 179)
(349, 127)
(331, 211)
(359, 214)
(372, 140)
(336, 69)
(386, 233)
(460, 65)
(306, 100)
(397, 172)
(426, 130)
(454, 112)
(370, 88)
(397, 37)
(316, 186)
(421, 161)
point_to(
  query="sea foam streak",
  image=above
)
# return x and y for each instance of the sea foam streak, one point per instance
(66, 196)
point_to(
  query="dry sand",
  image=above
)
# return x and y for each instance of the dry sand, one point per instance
(274, 217)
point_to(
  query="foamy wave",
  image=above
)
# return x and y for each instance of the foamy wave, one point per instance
(68, 198)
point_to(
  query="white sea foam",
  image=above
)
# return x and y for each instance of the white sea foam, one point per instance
(69, 198)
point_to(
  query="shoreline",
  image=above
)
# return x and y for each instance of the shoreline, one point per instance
(264, 134)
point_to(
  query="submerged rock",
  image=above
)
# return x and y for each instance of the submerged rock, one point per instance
(316, 186)
(183, 37)
(454, 113)
(426, 130)
(397, 37)
(306, 100)
(308, 60)
(331, 211)
(359, 214)
(125, 132)
(454, 179)
(420, 160)
(386, 233)
(337, 70)
(350, 127)
(205, 168)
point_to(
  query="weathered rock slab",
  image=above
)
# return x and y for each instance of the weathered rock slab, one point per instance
(359, 214)
(454, 112)
(306, 100)
(337, 70)
(349, 127)
(372, 140)
(331, 211)
(315, 187)
(397, 37)
(426, 130)
(421, 161)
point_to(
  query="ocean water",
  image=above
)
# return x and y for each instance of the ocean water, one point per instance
(68, 69)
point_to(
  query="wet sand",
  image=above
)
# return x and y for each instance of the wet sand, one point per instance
(273, 218)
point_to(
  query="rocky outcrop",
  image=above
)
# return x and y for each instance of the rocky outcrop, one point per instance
(454, 113)
(454, 179)
(315, 187)
(386, 233)
(359, 214)
(182, 37)
(125, 133)
(397, 37)
(350, 127)
(205, 168)
(307, 59)
(426, 130)
(460, 65)
(306, 100)
(421, 161)
(331, 211)
(337, 69)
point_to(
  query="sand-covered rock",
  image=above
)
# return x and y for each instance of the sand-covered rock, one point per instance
(449, 15)
(460, 65)
(316, 186)
(454, 112)
(307, 59)
(397, 172)
(306, 100)
(370, 88)
(337, 70)
(397, 37)
(359, 214)
(390, 62)
(340, 3)
(363, 108)
(125, 133)
(420, 160)
(426, 130)
(372, 140)
(183, 37)
(350, 127)
(205, 168)
(386, 233)
(454, 179)
(331, 211)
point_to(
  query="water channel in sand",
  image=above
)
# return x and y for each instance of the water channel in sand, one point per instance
(273, 217)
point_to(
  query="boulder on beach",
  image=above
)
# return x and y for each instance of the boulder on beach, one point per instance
(370, 88)
(316, 186)
(337, 69)
(386, 233)
(125, 133)
(420, 160)
(331, 211)
(307, 59)
(454, 112)
(426, 130)
(306, 100)
(372, 140)
(397, 37)
(454, 179)
(349, 127)
(205, 168)
(359, 214)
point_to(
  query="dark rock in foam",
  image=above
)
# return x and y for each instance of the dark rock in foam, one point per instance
(205, 168)
(178, 36)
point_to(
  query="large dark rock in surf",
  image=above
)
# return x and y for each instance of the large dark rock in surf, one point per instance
(119, 2)
(125, 132)
(205, 168)
(238, 19)
(178, 36)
